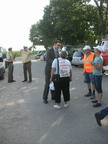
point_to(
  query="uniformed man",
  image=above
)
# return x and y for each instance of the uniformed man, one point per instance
(26, 60)
(10, 59)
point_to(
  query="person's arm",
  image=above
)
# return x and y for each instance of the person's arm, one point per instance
(29, 52)
(71, 75)
(52, 73)
(49, 57)
(97, 66)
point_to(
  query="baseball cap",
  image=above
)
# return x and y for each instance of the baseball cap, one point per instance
(99, 48)
(87, 47)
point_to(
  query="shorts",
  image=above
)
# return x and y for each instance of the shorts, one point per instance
(88, 78)
(98, 83)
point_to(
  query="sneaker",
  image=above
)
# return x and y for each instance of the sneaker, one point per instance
(98, 119)
(57, 106)
(97, 105)
(88, 95)
(66, 105)
(94, 101)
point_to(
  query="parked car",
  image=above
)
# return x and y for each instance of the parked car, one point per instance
(70, 51)
(39, 54)
(77, 59)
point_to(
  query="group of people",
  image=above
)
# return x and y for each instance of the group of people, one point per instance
(58, 65)
(93, 73)
(93, 63)
(26, 60)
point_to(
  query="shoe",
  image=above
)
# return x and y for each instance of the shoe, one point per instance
(9, 81)
(97, 105)
(57, 106)
(92, 97)
(87, 95)
(66, 105)
(29, 81)
(24, 80)
(98, 119)
(45, 101)
(13, 81)
(94, 101)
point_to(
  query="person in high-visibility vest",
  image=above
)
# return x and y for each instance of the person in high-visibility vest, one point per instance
(88, 71)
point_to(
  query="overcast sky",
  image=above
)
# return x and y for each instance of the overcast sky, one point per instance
(16, 18)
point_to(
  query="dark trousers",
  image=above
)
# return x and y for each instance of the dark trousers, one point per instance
(46, 88)
(62, 85)
(98, 83)
(103, 112)
(27, 68)
(10, 71)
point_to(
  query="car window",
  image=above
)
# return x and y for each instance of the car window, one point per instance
(78, 54)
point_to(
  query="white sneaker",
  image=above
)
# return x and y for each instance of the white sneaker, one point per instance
(57, 106)
(66, 105)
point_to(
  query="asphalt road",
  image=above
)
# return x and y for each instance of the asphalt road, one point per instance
(25, 119)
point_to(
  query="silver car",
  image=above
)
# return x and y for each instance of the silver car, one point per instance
(77, 59)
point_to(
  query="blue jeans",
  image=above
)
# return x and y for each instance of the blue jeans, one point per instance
(103, 112)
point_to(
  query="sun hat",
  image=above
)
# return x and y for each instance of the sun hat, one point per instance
(99, 48)
(87, 47)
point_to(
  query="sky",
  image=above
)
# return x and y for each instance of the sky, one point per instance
(16, 18)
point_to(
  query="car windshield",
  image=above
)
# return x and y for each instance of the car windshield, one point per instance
(77, 54)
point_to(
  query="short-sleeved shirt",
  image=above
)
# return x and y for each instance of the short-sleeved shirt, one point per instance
(26, 56)
(98, 60)
(64, 67)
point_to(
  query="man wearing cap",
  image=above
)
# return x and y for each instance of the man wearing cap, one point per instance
(97, 74)
(26, 59)
(88, 71)
(10, 59)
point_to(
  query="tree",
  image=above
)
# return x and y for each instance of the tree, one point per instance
(71, 21)
(102, 6)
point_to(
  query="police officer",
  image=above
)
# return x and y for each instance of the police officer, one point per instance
(26, 60)
(10, 59)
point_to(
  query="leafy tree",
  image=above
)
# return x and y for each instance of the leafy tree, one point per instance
(102, 23)
(71, 21)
